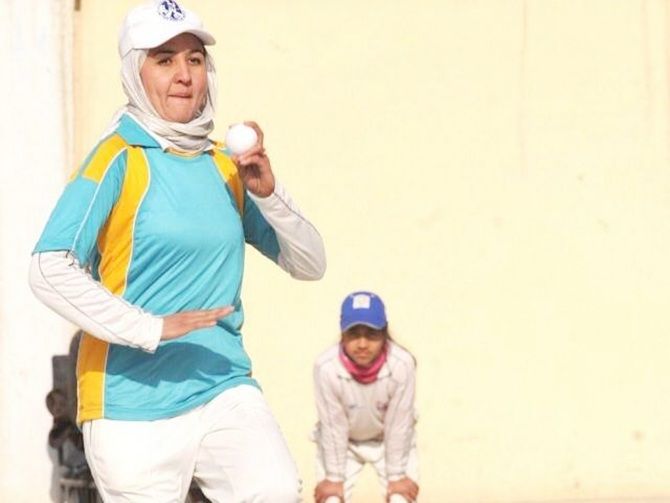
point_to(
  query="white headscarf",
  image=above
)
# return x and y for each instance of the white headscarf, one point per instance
(191, 136)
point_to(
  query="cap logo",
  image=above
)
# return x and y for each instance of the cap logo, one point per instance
(360, 301)
(169, 9)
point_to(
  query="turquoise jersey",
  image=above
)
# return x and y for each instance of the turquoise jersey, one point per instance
(164, 232)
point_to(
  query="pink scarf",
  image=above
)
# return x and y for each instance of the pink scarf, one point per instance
(364, 375)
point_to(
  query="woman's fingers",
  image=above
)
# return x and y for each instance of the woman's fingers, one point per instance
(256, 173)
(178, 324)
(250, 156)
(254, 166)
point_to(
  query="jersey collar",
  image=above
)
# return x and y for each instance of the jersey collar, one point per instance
(134, 134)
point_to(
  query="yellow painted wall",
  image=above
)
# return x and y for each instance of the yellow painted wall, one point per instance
(498, 171)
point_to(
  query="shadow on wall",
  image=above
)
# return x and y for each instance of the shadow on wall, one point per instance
(71, 479)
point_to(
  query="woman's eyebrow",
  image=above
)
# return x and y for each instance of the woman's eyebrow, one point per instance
(167, 51)
(164, 51)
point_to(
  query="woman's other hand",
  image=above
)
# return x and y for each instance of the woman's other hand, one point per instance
(254, 167)
(178, 324)
(405, 487)
(326, 488)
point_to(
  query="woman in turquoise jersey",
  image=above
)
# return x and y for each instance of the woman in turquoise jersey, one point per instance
(144, 251)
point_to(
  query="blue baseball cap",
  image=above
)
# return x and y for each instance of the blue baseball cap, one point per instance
(362, 308)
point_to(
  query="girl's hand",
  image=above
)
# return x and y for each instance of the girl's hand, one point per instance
(405, 487)
(254, 167)
(178, 324)
(326, 489)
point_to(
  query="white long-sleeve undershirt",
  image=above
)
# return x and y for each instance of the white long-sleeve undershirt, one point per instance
(60, 282)
(302, 253)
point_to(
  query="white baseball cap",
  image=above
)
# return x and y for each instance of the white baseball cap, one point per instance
(153, 23)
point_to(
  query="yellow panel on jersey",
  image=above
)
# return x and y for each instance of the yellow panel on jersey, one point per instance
(229, 172)
(92, 356)
(116, 246)
(103, 156)
(116, 238)
(91, 376)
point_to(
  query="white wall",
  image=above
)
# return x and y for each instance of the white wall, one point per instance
(35, 139)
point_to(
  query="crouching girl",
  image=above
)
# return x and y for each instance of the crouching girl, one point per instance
(364, 388)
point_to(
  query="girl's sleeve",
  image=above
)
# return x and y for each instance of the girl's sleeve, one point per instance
(276, 227)
(333, 435)
(399, 422)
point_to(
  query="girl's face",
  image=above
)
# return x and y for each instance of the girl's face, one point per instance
(363, 344)
(174, 76)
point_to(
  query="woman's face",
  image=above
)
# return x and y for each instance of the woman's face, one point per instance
(363, 344)
(174, 76)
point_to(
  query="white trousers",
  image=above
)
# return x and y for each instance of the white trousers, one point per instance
(232, 446)
(360, 453)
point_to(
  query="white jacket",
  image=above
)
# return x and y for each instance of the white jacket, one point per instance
(351, 411)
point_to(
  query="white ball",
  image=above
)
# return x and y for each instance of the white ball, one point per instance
(240, 138)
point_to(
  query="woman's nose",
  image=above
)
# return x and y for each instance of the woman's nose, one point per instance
(183, 72)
